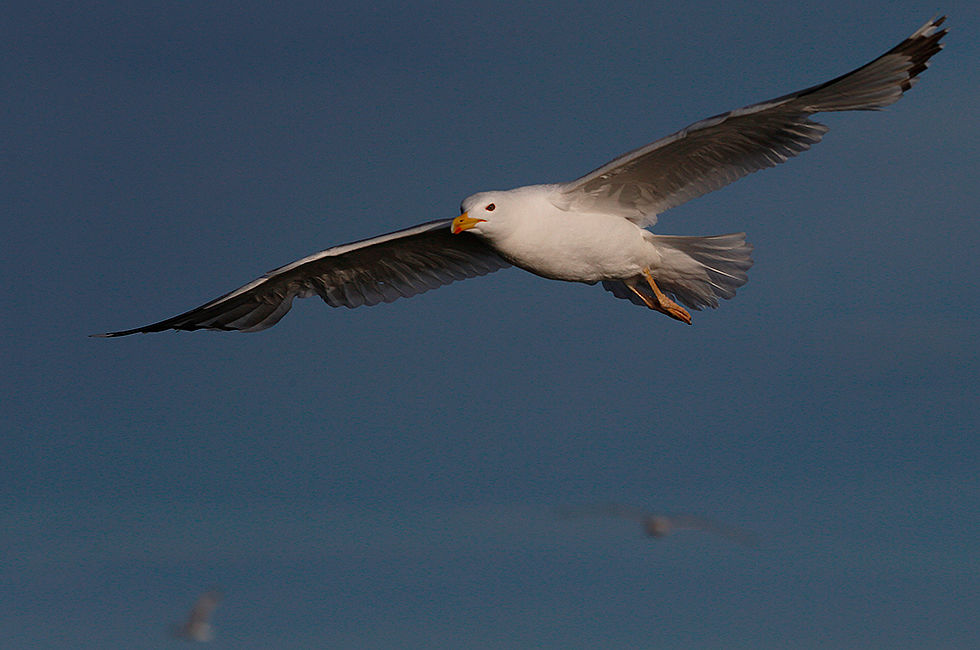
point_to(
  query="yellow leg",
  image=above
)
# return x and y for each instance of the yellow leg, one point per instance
(663, 304)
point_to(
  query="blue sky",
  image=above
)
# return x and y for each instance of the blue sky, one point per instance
(386, 477)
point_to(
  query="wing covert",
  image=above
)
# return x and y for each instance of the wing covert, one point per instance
(714, 152)
(381, 269)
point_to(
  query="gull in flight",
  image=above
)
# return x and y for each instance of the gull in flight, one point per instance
(592, 229)
(661, 524)
(198, 627)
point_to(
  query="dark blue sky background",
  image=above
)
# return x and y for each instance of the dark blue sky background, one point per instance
(386, 477)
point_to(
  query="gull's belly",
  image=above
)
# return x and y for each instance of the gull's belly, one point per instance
(580, 248)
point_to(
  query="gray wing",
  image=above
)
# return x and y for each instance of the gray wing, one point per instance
(719, 150)
(685, 521)
(382, 269)
(604, 510)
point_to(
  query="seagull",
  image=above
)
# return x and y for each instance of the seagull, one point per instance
(659, 525)
(593, 229)
(198, 627)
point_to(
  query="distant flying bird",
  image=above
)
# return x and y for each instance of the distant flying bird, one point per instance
(198, 627)
(589, 230)
(661, 524)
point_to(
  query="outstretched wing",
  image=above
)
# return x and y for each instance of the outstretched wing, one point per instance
(719, 150)
(685, 521)
(604, 510)
(382, 269)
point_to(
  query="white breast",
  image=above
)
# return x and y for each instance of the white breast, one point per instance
(572, 246)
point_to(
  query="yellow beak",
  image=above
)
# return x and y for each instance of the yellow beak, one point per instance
(464, 222)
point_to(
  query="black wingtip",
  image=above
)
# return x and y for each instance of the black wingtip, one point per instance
(112, 335)
(921, 47)
(138, 330)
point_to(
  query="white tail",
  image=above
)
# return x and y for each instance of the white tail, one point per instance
(722, 263)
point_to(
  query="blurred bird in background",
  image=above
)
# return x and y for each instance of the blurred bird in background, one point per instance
(198, 626)
(661, 524)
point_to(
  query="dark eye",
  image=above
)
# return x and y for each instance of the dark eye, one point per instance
(491, 207)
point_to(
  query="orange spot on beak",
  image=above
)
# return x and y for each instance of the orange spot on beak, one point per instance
(464, 222)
